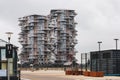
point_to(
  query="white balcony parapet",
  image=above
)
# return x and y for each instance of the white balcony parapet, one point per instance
(75, 23)
(59, 11)
(21, 33)
(67, 18)
(41, 18)
(21, 40)
(75, 51)
(23, 43)
(63, 32)
(62, 20)
(22, 19)
(55, 15)
(33, 35)
(72, 15)
(41, 39)
(75, 41)
(25, 29)
(46, 29)
(40, 32)
(51, 26)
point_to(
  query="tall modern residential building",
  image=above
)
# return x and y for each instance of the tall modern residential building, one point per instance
(48, 39)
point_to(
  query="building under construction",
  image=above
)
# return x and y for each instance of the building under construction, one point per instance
(48, 39)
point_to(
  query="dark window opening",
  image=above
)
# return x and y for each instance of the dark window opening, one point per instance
(106, 55)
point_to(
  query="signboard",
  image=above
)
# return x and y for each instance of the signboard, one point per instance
(9, 50)
(3, 73)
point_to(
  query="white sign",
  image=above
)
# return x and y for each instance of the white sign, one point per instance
(3, 73)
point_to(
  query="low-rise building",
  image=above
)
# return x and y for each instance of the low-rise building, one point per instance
(13, 71)
(107, 61)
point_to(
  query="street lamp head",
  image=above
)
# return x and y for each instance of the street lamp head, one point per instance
(9, 35)
(116, 39)
(99, 41)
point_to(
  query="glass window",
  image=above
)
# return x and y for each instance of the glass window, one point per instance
(3, 54)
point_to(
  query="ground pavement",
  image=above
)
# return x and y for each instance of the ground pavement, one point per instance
(59, 75)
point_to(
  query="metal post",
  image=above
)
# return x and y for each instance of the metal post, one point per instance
(86, 61)
(116, 58)
(99, 56)
(91, 65)
(99, 42)
(8, 76)
(116, 43)
(8, 70)
(96, 62)
(81, 61)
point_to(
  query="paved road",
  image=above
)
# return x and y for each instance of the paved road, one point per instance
(43, 76)
(59, 75)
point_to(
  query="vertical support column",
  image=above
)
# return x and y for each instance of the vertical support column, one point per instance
(99, 56)
(86, 61)
(96, 57)
(81, 62)
(90, 61)
(0, 59)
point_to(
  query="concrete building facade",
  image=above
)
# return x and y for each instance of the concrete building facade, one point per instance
(48, 39)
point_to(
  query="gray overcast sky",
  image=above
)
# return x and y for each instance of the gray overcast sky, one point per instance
(98, 20)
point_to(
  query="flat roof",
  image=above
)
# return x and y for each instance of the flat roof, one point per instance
(107, 50)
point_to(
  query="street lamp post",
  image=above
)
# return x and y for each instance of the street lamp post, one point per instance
(116, 43)
(99, 42)
(8, 73)
(99, 56)
(116, 50)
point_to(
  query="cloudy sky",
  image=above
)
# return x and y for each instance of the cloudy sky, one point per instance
(98, 20)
